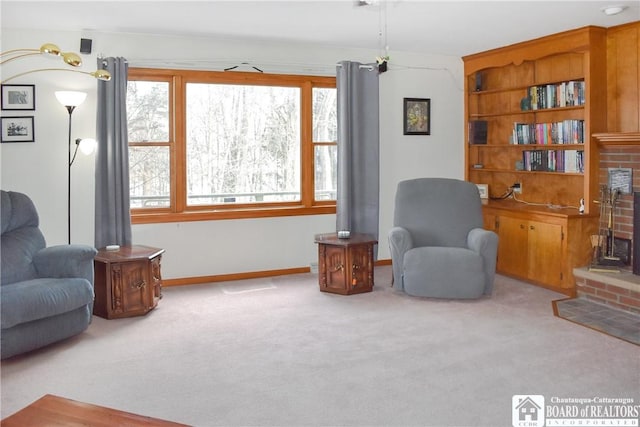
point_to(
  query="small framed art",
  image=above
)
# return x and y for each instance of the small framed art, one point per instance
(417, 116)
(18, 97)
(483, 189)
(17, 129)
(621, 179)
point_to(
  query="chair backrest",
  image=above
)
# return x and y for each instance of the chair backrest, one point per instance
(21, 238)
(438, 211)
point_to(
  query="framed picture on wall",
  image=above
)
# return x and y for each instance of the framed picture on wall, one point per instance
(17, 129)
(417, 116)
(483, 189)
(621, 179)
(18, 97)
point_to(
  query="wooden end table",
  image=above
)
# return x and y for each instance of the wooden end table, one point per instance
(345, 266)
(128, 281)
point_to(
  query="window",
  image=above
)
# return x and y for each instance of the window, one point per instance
(325, 135)
(209, 145)
(149, 143)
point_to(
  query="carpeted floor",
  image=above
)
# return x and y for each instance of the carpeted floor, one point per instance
(278, 352)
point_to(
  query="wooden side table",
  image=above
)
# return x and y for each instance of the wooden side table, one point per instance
(128, 281)
(345, 266)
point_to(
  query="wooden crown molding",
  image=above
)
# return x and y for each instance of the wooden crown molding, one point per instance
(617, 138)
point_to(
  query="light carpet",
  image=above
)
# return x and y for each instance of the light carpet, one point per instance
(279, 352)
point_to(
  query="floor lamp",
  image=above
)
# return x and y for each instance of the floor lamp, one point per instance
(70, 99)
(49, 50)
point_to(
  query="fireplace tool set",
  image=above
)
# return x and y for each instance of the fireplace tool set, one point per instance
(603, 244)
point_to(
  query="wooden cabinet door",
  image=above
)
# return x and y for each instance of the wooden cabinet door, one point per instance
(156, 279)
(333, 267)
(545, 253)
(360, 267)
(489, 221)
(512, 246)
(131, 287)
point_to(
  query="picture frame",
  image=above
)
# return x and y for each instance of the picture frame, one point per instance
(19, 97)
(483, 189)
(17, 129)
(621, 179)
(417, 116)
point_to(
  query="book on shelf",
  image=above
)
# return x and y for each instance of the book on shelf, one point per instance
(565, 132)
(559, 95)
(477, 132)
(568, 161)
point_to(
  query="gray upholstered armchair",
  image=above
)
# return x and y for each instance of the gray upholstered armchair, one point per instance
(46, 294)
(438, 246)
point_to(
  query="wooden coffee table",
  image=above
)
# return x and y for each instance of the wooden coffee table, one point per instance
(54, 411)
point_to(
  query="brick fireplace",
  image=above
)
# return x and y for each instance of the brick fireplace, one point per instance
(619, 156)
(618, 290)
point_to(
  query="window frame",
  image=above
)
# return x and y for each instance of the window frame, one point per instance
(179, 210)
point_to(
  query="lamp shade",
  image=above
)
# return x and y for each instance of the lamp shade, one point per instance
(50, 49)
(70, 98)
(72, 59)
(87, 145)
(103, 75)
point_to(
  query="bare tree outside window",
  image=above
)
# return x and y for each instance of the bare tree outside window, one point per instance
(207, 145)
(243, 144)
(325, 135)
(148, 123)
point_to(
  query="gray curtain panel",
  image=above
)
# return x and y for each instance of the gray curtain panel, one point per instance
(358, 149)
(113, 219)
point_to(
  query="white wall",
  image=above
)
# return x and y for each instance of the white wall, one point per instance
(231, 246)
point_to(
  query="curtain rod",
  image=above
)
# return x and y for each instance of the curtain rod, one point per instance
(222, 63)
(361, 66)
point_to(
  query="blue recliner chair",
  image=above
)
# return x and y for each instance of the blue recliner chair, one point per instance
(438, 246)
(46, 294)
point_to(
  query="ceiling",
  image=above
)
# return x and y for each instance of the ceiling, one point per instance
(439, 27)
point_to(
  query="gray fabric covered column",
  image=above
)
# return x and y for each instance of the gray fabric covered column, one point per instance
(113, 219)
(358, 149)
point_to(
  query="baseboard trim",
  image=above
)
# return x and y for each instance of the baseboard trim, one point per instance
(199, 280)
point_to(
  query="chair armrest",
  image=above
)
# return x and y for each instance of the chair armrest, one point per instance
(485, 243)
(65, 261)
(480, 239)
(400, 241)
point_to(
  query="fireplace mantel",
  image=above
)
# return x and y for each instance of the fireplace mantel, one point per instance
(618, 138)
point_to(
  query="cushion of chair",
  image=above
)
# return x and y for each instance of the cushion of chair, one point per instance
(21, 238)
(18, 211)
(438, 211)
(39, 298)
(443, 272)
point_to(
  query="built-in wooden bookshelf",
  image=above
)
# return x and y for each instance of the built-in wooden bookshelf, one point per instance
(540, 101)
